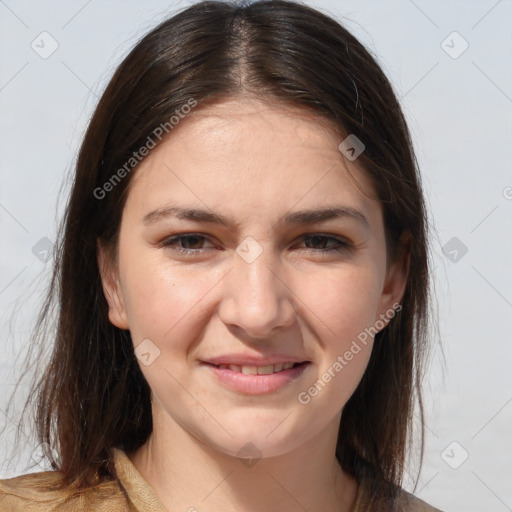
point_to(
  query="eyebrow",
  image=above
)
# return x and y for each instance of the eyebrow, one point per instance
(294, 218)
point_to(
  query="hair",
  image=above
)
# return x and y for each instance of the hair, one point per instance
(92, 395)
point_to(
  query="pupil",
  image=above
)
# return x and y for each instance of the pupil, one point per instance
(187, 239)
(318, 239)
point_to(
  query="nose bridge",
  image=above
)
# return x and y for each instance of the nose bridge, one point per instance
(254, 268)
(257, 300)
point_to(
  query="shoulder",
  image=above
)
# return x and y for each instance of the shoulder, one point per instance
(43, 492)
(377, 496)
(410, 503)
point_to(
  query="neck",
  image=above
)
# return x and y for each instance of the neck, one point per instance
(188, 475)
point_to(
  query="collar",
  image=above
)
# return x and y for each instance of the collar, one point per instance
(138, 491)
(143, 497)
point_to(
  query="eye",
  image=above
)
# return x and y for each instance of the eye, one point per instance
(323, 240)
(191, 239)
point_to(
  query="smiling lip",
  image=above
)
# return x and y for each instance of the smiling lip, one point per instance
(256, 384)
(252, 360)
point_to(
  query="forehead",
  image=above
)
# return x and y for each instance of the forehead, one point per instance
(258, 128)
(252, 154)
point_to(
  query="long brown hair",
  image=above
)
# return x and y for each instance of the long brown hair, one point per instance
(93, 396)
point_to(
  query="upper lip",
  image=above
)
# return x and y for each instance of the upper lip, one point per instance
(252, 360)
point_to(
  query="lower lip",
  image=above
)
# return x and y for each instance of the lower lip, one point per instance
(256, 384)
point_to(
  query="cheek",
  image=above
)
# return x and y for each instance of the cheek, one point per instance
(342, 307)
(163, 301)
(345, 301)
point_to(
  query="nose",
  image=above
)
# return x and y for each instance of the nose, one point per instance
(257, 299)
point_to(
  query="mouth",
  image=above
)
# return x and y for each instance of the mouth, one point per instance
(268, 369)
(256, 380)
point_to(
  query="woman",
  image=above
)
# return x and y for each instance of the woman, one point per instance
(242, 279)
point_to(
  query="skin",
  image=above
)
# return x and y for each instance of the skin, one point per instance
(253, 162)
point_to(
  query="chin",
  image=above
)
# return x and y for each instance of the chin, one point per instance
(256, 442)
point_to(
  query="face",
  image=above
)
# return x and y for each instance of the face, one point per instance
(217, 302)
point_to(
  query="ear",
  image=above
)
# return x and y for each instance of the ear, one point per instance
(111, 287)
(396, 279)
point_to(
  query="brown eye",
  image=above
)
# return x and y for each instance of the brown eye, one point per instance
(186, 244)
(323, 240)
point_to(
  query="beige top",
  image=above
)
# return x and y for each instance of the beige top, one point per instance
(129, 492)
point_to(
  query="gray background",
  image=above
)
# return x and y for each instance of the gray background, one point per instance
(458, 104)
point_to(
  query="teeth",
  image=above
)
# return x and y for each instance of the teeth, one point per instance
(257, 370)
(266, 370)
(250, 370)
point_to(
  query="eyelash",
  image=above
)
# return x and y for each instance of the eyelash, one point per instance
(342, 247)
